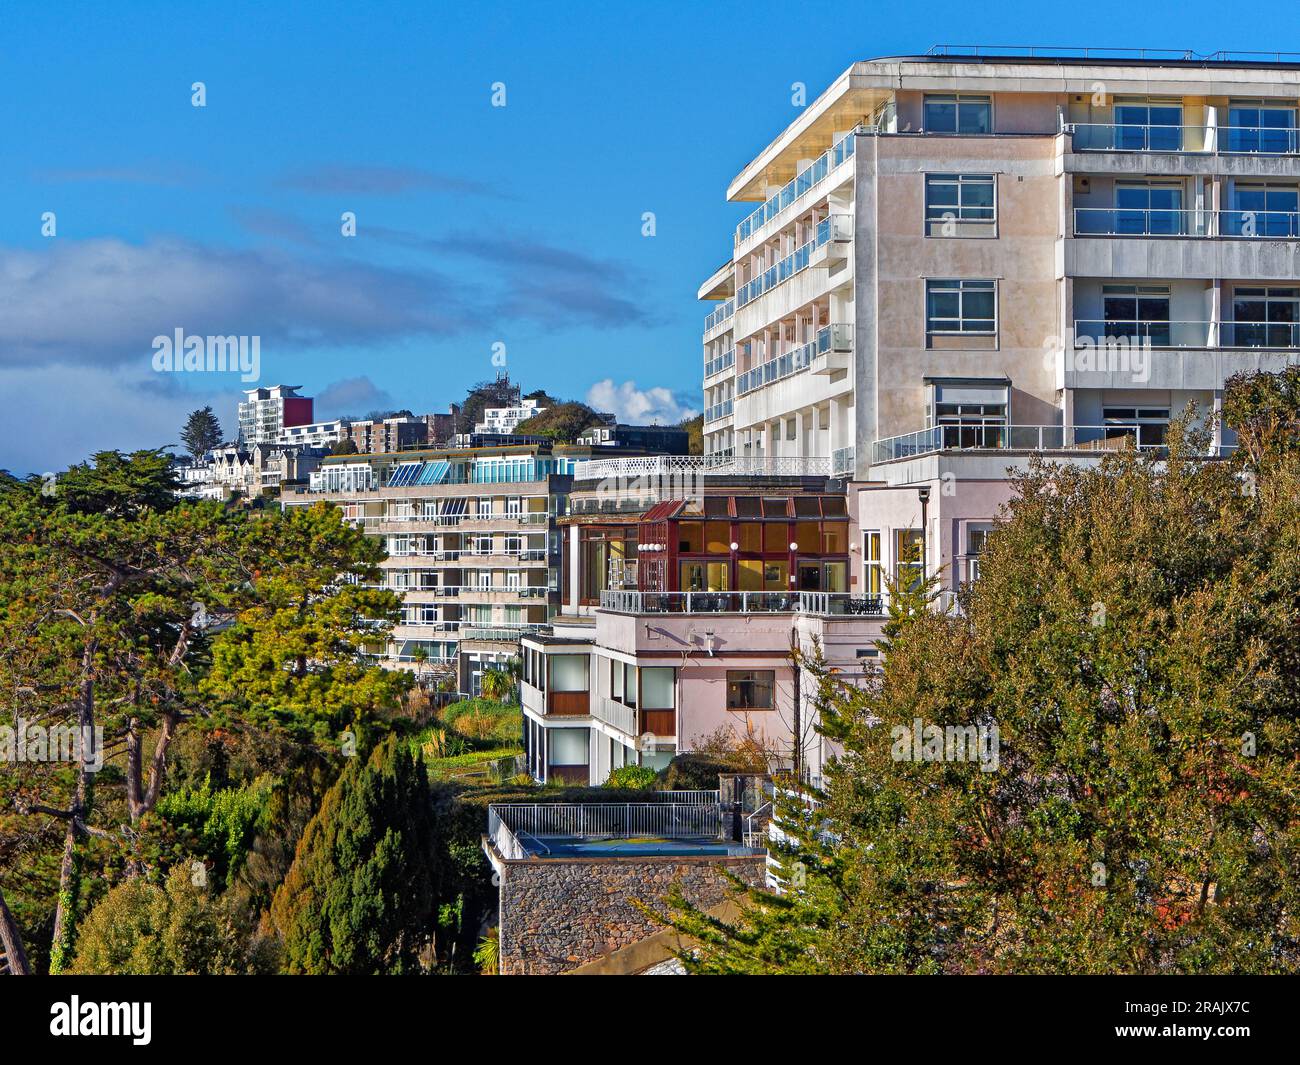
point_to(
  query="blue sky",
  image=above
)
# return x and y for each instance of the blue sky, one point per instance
(476, 225)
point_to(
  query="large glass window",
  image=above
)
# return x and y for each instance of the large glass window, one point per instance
(960, 197)
(1137, 312)
(1262, 211)
(657, 687)
(1261, 126)
(1149, 125)
(1145, 426)
(1265, 317)
(971, 425)
(976, 540)
(1148, 208)
(958, 113)
(751, 689)
(568, 673)
(961, 307)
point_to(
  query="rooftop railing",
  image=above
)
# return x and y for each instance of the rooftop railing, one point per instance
(519, 830)
(821, 604)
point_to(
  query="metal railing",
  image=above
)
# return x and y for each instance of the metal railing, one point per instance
(1156, 222)
(1183, 334)
(803, 182)
(983, 436)
(767, 465)
(824, 604)
(509, 823)
(1200, 139)
(1125, 221)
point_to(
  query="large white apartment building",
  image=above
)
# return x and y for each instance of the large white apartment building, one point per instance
(955, 261)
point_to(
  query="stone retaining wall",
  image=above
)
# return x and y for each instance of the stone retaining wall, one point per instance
(557, 913)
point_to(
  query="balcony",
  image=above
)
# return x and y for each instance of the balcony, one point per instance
(718, 410)
(721, 362)
(843, 462)
(1240, 225)
(983, 436)
(727, 463)
(799, 186)
(817, 353)
(633, 722)
(822, 604)
(678, 824)
(1184, 334)
(719, 315)
(835, 228)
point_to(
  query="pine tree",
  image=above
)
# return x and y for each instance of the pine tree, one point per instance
(202, 432)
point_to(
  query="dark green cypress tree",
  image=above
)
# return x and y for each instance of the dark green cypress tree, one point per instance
(359, 897)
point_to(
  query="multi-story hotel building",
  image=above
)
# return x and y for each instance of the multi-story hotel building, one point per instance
(472, 540)
(266, 412)
(956, 261)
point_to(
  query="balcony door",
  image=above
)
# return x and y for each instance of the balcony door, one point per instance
(969, 413)
(1137, 312)
(1263, 211)
(1149, 209)
(1148, 126)
(1261, 126)
(1266, 318)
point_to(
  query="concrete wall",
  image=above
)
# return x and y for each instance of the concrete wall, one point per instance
(558, 914)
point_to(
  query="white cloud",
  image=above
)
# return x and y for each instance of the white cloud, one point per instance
(639, 406)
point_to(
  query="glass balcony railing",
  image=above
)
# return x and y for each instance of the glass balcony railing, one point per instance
(836, 337)
(984, 436)
(1234, 140)
(1134, 222)
(834, 227)
(1282, 225)
(801, 184)
(718, 410)
(1126, 222)
(1159, 334)
(720, 362)
(719, 315)
(1131, 137)
(1259, 140)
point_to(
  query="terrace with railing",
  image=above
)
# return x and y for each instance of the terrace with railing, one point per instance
(672, 822)
(821, 604)
(988, 436)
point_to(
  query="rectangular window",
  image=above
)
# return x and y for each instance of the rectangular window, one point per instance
(568, 673)
(1265, 126)
(629, 684)
(959, 197)
(909, 558)
(1144, 426)
(657, 687)
(961, 308)
(1137, 312)
(616, 680)
(976, 540)
(958, 113)
(873, 574)
(751, 689)
(1148, 126)
(1264, 317)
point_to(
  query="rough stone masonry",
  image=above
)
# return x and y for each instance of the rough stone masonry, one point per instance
(558, 913)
